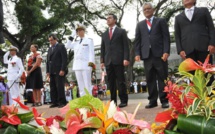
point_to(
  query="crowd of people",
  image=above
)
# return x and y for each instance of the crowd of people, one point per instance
(194, 35)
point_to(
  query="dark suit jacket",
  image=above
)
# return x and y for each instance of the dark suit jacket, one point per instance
(196, 34)
(158, 39)
(56, 59)
(115, 50)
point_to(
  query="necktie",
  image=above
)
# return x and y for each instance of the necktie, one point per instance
(110, 32)
(80, 41)
(189, 14)
(148, 21)
(52, 49)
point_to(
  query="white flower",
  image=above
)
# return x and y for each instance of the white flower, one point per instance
(112, 110)
(97, 132)
(55, 128)
(145, 131)
(83, 111)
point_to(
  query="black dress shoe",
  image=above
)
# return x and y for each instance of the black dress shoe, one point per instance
(151, 105)
(165, 105)
(53, 105)
(122, 105)
(61, 105)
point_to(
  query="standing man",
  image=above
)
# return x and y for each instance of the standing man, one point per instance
(56, 69)
(194, 32)
(84, 58)
(1, 23)
(152, 45)
(14, 72)
(114, 56)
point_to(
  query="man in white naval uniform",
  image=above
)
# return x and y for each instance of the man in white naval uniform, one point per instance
(14, 72)
(83, 55)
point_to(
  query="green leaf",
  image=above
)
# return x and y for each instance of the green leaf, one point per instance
(28, 129)
(84, 102)
(186, 74)
(25, 117)
(195, 124)
(94, 121)
(209, 90)
(196, 103)
(189, 110)
(208, 78)
(187, 89)
(63, 125)
(171, 132)
(207, 112)
(10, 130)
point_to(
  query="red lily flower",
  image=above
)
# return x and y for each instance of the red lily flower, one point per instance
(9, 110)
(122, 131)
(37, 117)
(49, 121)
(164, 116)
(9, 115)
(191, 65)
(20, 103)
(12, 119)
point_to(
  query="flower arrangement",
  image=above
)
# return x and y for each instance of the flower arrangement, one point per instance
(91, 64)
(193, 102)
(85, 115)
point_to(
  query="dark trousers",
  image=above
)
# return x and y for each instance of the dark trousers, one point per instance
(115, 75)
(199, 56)
(156, 71)
(57, 89)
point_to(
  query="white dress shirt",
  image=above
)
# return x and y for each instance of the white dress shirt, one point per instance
(189, 12)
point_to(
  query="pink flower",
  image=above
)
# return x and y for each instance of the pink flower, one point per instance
(65, 109)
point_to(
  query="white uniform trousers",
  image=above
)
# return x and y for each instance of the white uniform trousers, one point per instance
(14, 91)
(84, 81)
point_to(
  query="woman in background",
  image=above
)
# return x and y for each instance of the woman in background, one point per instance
(34, 75)
(3, 89)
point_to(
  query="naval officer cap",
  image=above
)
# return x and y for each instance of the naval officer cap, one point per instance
(13, 48)
(80, 27)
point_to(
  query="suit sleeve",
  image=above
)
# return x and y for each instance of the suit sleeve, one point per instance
(125, 45)
(6, 57)
(210, 27)
(63, 58)
(166, 36)
(102, 59)
(178, 36)
(137, 41)
(47, 62)
(91, 53)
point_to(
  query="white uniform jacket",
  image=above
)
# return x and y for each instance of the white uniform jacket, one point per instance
(83, 53)
(15, 67)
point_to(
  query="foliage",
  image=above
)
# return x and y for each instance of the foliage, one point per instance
(195, 96)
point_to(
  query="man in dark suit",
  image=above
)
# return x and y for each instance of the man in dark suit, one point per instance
(114, 56)
(1, 23)
(194, 32)
(152, 45)
(56, 69)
